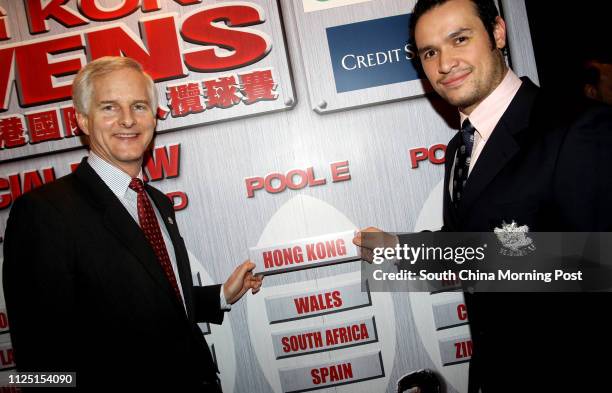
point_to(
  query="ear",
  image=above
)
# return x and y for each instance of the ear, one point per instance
(83, 122)
(591, 91)
(499, 33)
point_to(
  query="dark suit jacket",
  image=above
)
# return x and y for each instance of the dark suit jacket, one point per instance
(538, 170)
(85, 293)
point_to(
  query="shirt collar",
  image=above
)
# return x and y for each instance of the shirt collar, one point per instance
(488, 113)
(117, 180)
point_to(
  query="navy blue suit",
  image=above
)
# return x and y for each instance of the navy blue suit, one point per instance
(552, 176)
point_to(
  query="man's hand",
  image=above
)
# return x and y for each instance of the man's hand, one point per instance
(240, 281)
(370, 238)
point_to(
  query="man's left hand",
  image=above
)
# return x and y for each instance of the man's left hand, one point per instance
(240, 281)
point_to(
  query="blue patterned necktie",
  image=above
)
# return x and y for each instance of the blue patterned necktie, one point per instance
(462, 164)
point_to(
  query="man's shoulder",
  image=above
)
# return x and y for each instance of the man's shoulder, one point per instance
(548, 108)
(59, 193)
(541, 111)
(592, 129)
(591, 119)
(594, 115)
(524, 108)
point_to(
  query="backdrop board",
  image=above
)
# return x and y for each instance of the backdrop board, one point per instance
(258, 168)
(365, 47)
(212, 62)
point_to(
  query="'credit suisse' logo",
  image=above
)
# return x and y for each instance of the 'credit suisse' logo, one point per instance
(372, 53)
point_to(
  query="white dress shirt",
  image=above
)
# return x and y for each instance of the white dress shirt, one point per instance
(118, 181)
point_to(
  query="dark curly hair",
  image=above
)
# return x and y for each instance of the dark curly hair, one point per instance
(487, 11)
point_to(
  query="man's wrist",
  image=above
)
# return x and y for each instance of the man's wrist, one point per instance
(225, 306)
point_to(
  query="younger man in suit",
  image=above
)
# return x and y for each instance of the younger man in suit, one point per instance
(509, 163)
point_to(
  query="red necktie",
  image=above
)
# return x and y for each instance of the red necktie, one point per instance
(150, 227)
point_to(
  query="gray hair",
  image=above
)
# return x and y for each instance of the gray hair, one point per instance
(82, 85)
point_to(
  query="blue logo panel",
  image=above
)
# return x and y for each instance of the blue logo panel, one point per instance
(372, 53)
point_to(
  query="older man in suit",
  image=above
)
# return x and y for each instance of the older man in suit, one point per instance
(96, 273)
(511, 162)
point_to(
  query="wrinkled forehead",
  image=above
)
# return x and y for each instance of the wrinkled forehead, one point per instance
(126, 75)
(125, 84)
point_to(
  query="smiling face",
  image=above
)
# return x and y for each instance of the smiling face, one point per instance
(458, 57)
(120, 122)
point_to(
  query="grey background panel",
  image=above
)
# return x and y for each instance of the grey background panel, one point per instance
(315, 54)
(276, 60)
(7, 360)
(220, 223)
(363, 367)
(450, 314)
(302, 341)
(204, 327)
(4, 324)
(305, 253)
(455, 350)
(282, 308)
(521, 48)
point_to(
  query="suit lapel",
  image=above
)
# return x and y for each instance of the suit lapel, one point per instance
(449, 212)
(121, 224)
(180, 252)
(500, 148)
(451, 151)
(502, 145)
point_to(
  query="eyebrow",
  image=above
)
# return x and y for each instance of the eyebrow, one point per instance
(459, 32)
(451, 35)
(145, 101)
